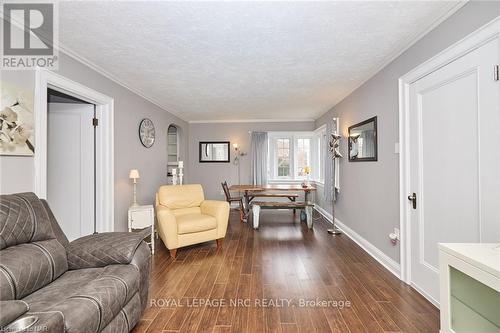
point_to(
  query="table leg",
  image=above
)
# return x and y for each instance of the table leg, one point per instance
(309, 217)
(247, 206)
(303, 214)
(256, 214)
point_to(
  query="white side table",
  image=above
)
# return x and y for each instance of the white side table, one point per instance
(140, 217)
(469, 287)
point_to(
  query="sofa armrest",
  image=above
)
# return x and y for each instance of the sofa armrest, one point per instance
(219, 210)
(167, 227)
(10, 311)
(104, 249)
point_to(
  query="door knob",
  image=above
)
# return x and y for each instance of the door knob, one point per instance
(413, 198)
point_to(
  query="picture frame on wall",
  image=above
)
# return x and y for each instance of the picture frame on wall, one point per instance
(214, 152)
(17, 135)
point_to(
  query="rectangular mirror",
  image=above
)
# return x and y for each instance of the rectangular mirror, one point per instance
(363, 141)
(214, 152)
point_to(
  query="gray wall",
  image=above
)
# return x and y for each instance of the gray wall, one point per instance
(16, 173)
(210, 175)
(369, 199)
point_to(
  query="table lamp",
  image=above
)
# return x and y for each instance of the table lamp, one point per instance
(134, 174)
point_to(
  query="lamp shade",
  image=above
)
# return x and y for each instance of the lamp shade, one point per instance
(235, 145)
(134, 174)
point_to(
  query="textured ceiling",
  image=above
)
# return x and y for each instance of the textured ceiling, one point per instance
(244, 60)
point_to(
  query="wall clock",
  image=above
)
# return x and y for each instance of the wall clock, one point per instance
(147, 132)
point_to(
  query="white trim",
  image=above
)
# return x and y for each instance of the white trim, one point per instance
(390, 264)
(471, 42)
(271, 120)
(426, 295)
(105, 149)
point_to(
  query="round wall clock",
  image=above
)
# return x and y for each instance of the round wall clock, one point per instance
(147, 132)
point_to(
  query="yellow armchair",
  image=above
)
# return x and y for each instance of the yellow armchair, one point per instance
(185, 217)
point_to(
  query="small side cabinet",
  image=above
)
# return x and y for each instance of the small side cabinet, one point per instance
(469, 288)
(140, 217)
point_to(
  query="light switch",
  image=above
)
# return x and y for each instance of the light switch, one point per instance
(396, 148)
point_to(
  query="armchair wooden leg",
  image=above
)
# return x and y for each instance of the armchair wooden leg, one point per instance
(219, 242)
(173, 253)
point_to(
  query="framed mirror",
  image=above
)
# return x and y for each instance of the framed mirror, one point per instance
(363, 141)
(214, 152)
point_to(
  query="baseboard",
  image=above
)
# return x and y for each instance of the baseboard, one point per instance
(391, 265)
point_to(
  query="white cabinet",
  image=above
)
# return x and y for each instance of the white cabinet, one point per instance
(140, 217)
(470, 288)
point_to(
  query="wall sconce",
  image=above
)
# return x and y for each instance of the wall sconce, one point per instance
(237, 154)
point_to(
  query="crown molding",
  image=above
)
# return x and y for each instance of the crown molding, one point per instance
(75, 56)
(411, 41)
(251, 121)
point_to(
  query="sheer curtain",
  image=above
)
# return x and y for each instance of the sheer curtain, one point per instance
(258, 157)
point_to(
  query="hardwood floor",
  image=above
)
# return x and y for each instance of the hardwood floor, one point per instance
(279, 263)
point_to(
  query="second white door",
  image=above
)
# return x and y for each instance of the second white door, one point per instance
(70, 167)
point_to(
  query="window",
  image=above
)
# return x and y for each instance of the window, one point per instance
(283, 155)
(292, 153)
(303, 157)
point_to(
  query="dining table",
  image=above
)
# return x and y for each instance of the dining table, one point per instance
(252, 191)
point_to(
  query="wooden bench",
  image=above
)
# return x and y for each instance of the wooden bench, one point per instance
(291, 196)
(258, 205)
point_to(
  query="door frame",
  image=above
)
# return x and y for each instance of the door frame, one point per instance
(105, 146)
(483, 35)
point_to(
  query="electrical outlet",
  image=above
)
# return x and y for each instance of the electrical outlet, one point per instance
(221, 192)
(394, 236)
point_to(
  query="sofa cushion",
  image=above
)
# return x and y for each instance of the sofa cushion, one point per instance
(29, 267)
(190, 223)
(23, 219)
(88, 298)
(180, 196)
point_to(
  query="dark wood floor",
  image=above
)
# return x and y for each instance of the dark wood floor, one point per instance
(282, 260)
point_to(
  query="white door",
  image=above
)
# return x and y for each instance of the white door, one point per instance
(454, 160)
(70, 167)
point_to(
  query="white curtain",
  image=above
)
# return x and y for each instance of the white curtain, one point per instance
(258, 157)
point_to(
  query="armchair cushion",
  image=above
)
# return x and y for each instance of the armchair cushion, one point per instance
(190, 223)
(181, 196)
(104, 249)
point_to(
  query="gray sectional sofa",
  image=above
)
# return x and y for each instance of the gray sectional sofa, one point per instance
(97, 283)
